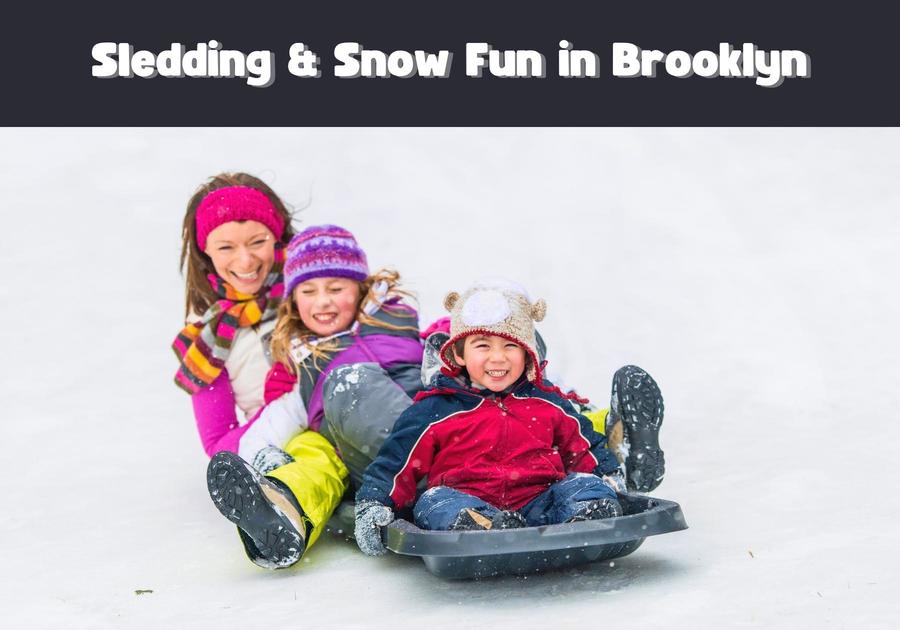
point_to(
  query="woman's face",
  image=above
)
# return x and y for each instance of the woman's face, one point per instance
(242, 253)
(327, 305)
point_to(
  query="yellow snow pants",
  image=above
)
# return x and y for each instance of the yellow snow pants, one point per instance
(598, 419)
(615, 434)
(317, 477)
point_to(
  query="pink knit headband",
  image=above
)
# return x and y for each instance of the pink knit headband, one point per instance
(236, 203)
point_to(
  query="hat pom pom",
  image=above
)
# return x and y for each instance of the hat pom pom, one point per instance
(450, 300)
(538, 310)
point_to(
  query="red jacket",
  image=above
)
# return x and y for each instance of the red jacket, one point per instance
(505, 450)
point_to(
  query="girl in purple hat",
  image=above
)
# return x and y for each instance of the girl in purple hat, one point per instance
(349, 351)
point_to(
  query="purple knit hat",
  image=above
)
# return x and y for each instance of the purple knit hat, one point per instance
(323, 251)
(236, 203)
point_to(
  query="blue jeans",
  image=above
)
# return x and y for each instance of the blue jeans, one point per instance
(438, 507)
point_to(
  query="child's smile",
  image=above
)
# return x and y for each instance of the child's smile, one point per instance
(325, 318)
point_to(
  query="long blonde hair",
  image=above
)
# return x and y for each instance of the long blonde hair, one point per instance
(289, 326)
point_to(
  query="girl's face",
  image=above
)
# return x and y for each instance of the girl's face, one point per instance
(327, 305)
(242, 253)
(492, 362)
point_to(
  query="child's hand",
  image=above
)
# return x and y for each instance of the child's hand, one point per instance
(270, 458)
(371, 516)
(615, 480)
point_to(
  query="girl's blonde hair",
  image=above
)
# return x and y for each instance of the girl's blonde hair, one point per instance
(289, 326)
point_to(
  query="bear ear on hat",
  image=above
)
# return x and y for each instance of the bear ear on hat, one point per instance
(538, 310)
(450, 300)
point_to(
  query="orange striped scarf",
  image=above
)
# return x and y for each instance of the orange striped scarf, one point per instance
(202, 347)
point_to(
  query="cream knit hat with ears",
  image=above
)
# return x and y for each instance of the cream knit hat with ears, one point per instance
(494, 307)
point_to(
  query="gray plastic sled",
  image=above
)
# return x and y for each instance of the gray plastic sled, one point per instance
(478, 554)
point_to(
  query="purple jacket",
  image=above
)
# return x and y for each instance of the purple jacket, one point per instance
(214, 406)
(386, 350)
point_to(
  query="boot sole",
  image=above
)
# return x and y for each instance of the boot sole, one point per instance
(470, 520)
(261, 512)
(598, 510)
(638, 402)
(508, 520)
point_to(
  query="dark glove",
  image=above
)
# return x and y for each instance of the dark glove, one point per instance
(371, 516)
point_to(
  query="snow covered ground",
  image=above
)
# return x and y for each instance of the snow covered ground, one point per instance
(753, 272)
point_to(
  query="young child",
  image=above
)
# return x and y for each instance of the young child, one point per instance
(498, 446)
(349, 351)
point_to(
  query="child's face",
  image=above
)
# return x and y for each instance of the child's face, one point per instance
(242, 253)
(327, 305)
(492, 362)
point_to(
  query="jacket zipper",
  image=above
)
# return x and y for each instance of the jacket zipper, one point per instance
(505, 442)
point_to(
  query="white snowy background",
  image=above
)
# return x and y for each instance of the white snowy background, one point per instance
(753, 272)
